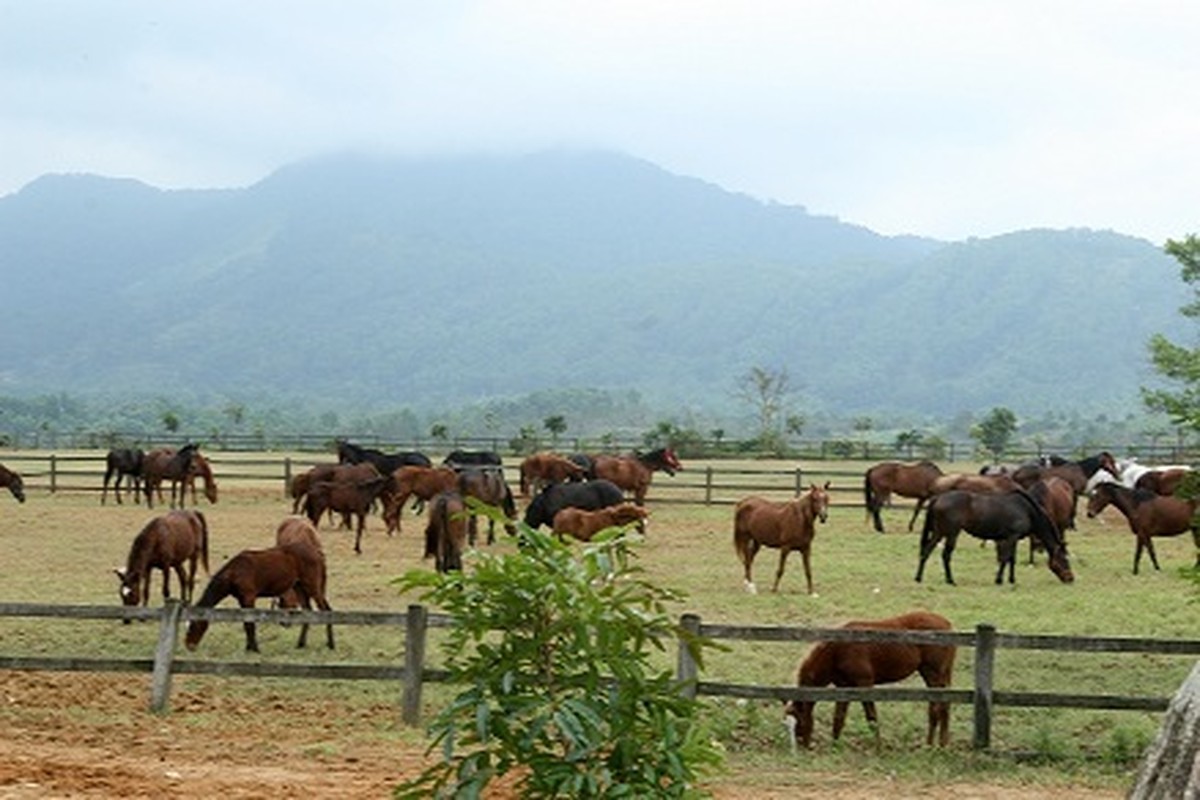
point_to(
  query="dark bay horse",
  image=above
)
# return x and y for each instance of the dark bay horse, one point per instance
(1149, 515)
(488, 486)
(302, 481)
(446, 531)
(201, 469)
(787, 526)
(907, 480)
(12, 480)
(300, 536)
(1057, 498)
(583, 525)
(282, 572)
(174, 541)
(386, 463)
(864, 664)
(1075, 473)
(350, 498)
(166, 464)
(588, 495)
(125, 462)
(462, 459)
(422, 483)
(1002, 518)
(633, 473)
(540, 469)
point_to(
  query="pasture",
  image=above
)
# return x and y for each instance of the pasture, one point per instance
(62, 548)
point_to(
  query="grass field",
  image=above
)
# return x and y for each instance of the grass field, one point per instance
(62, 548)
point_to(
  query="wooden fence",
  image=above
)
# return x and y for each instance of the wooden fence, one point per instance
(415, 672)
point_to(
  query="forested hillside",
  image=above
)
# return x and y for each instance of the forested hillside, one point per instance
(394, 283)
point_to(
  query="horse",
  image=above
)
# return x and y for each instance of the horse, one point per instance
(282, 572)
(633, 473)
(1162, 480)
(446, 531)
(174, 541)
(348, 497)
(788, 526)
(386, 463)
(462, 459)
(423, 483)
(1002, 518)
(488, 486)
(302, 481)
(125, 462)
(1057, 499)
(13, 481)
(202, 469)
(1076, 473)
(583, 525)
(588, 495)
(907, 480)
(162, 464)
(299, 535)
(540, 469)
(866, 664)
(584, 462)
(1149, 515)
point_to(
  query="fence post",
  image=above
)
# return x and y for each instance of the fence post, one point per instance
(985, 662)
(708, 485)
(287, 475)
(416, 627)
(53, 473)
(686, 670)
(164, 655)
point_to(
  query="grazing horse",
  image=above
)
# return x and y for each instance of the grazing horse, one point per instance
(446, 531)
(488, 486)
(583, 525)
(1057, 498)
(1149, 515)
(588, 495)
(166, 464)
(14, 483)
(1002, 518)
(298, 535)
(423, 483)
(347, 497)
(174, 541)
(125, 462)
(866, 664)
(1162, 480)
(788, 526)
(1076, 473)
(633, 473)
(906, 480)
(200, 468)
(540, 469)
(282, 572)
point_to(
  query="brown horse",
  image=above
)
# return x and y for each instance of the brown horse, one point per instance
(423, 483)
(1149, 515)
(633, 473)
(584, 524)
(346, 497)
(1002, 518)
(282, 572)
(446, 531)
(906, 480)
(540, 469)
(788, 526)
(488, 486)
(299, 535)
(165, 464)
(12, 480)
(123, 463)
(865, 664)
(302, 481)
(1075, 473)
(1057, 498)
(174, 541)
(201, 469)
(1162, 481)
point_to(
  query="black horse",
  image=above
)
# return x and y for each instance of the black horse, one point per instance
(585, 462)
(386, 463)
(1002, 518)
(479, 459)
(589, 495)
(124, 462)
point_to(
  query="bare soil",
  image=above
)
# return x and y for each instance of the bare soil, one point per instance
(79, 735)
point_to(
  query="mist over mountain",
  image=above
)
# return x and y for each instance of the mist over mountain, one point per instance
(384, 282)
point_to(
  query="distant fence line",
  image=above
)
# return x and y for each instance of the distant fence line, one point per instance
(414, 672)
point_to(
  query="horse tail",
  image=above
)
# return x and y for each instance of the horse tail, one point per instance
(203, 541)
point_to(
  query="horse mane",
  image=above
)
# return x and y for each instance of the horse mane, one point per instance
(1054, 536)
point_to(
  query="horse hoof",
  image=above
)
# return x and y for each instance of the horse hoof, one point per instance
(751, 588)
(813, 595)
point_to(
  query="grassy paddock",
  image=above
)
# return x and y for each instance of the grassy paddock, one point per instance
(62, 548)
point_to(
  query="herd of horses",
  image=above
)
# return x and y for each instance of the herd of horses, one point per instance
(145, 472)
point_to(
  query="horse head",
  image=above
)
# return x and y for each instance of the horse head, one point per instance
(798, 716)
(129, 587)
(17, 487)
(818, 500)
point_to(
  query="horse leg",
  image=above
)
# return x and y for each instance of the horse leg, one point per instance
(916, 513)
(249, 627)
(840, 708)
(362, 523)
(1150, 551)
(323, 604)
(805, 554)
(783, 554)
(747, 560)
(929, 542)
(947, 553)
(872, 718)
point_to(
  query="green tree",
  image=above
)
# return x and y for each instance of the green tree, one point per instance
(439, 432)
(554, 654)
(995, 431)
(556, 424)
(170, 421)
(1175, 362)
(907, 440)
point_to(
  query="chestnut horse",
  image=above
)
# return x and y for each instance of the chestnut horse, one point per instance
(121, 463)
(1149, 515)
(446, 531)
(1002, 518)
(302, 481)
(283, 572)
(423, 483)
(540, 469)
(907, 480)
(865, 664)
(633, 473)
(1162, 481)
(583, 524)
(201, 469)
(299, 535)
(12, 480)
(173, 541)
(787, 526)
(167, 464)
(1057, 498)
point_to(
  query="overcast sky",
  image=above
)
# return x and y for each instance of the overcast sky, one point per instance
(947, 118)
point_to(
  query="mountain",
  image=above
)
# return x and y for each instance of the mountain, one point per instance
(389, 282)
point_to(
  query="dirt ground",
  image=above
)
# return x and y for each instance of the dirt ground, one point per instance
(76, 735)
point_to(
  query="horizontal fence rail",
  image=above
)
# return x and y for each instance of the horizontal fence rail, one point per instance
(414, 672)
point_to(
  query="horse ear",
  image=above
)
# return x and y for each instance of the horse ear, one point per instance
(827, 485)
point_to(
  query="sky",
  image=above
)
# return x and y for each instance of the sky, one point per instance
(944, 118)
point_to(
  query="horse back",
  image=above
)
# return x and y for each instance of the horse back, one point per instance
(769, 522)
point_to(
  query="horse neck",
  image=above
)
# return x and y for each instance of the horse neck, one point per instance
(1122, 497)
(219, 587)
